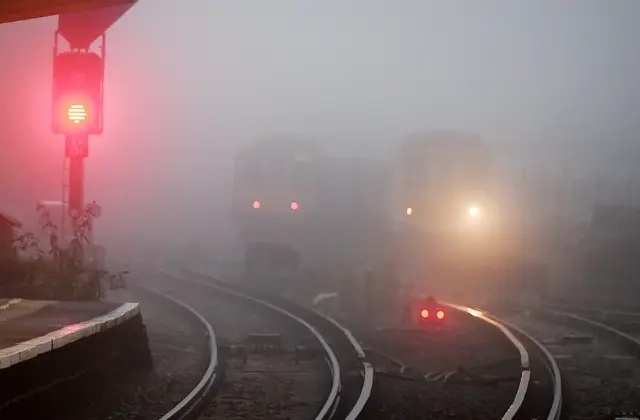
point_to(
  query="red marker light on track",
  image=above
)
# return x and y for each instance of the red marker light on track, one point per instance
(440, 314)
(256, 204)
(424, 313)
(295, 206)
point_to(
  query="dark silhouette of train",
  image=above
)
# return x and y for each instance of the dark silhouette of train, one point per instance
(430, 210)
(328, 210)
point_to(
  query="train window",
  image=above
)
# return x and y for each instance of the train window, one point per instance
(302, 176)
(249, 177)
(252, 171)
(416, 178)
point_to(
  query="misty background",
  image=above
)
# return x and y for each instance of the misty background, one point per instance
(552, 85)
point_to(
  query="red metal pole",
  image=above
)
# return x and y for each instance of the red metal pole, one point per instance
(76, 185)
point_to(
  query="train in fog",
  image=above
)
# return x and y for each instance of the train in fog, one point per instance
(447, 236)
(441, 194)
(429, 210)
(442, 181)
(287, 193)
(273, 196)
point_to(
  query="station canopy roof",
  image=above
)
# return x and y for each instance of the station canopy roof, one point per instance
(16, 10)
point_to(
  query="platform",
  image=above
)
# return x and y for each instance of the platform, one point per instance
(29, 328)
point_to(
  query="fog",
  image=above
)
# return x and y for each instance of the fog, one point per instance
(552, 85)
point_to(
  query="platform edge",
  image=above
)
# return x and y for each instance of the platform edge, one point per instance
(59, 338)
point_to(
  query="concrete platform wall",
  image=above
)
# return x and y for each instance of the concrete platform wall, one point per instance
(50, 374)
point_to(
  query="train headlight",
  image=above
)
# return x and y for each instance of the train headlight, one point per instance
(473, 211)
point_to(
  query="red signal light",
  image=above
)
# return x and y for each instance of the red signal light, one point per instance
(256, 204)
(440, 314)
(424, 313)
(295, 206)
(77, 113)
(77, 93)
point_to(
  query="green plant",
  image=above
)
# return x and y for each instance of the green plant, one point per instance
(59, 272)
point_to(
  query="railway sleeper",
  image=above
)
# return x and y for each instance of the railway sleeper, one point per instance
(598, 332)
(571, 339)
(264, 341)
(241, 351)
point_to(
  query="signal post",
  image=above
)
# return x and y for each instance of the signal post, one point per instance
(78, 92)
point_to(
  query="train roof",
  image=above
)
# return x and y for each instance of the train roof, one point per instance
(444, 139)
(280, 146)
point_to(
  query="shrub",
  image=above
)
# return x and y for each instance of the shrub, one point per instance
(57, 272)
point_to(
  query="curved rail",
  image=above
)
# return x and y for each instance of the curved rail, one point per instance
(367, 368)
(365, 393)
(186, 408)
(525, 363)
(598, 326)
(367, 371)
(328, 408)
(552, 367)
(598, 313)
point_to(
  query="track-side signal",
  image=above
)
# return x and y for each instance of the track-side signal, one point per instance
(77, 93)
(295, 206)
(256, 204)
(77, 113)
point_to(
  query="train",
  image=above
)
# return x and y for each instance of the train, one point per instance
(430, 211)
(441, 194)
(442, 181)
(448, 237)
(291, 199)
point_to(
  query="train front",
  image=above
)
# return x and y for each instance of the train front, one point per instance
(448, 238)
(443, 189)
(274, 191)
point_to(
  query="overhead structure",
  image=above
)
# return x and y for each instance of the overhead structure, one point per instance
(16, 10)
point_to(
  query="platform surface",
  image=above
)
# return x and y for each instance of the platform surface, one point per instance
(31, 327)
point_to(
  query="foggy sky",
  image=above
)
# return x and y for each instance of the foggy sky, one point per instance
(188, 81)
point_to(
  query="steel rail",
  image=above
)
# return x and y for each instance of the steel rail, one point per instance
(552, 367)
(187, 407)
(331, 402)
(525, 363)
(367, 368)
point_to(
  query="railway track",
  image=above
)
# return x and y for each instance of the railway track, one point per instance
(597, 354)
(188, 406)
(535, 390)
(349, 377)
(473, 367)
(625, 320)
(183, 352)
